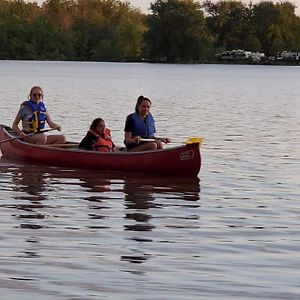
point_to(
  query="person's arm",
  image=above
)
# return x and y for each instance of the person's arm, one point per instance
(52, 124)
(163, 140)
(131, 140)
(15, 126)
(128, 138)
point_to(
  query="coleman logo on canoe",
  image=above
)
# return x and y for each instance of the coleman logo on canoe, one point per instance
(186, 155)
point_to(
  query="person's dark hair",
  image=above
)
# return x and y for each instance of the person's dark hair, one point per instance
(140, 99)
(95, 123)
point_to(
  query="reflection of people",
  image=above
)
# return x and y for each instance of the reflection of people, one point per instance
(98, 138)
(34, 115)
(140, 125)
(138, 198)
(30, 180)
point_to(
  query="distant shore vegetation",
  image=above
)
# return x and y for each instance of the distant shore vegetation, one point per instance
(175, 31)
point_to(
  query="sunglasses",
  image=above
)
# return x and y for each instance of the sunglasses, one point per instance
(38, 94)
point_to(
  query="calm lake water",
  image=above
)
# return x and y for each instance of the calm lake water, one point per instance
(231, 233)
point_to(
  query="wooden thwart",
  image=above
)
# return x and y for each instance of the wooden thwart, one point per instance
(67, 145)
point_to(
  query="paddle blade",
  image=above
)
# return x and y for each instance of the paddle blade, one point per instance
(194, 140)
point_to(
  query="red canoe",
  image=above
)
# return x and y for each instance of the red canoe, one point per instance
(183, 161)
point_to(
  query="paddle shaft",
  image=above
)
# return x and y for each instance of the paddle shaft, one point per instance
(191, 140)
(30, 134)
(147, 140)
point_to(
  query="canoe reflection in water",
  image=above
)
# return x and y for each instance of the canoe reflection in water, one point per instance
(30, 183)
(143, 194)
(75, 205)
(138, 199)
(101, 193)
(35, 183)
(145, 200)
(28, 186)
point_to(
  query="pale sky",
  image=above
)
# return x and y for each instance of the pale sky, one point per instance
(142, 4)
(145, 4)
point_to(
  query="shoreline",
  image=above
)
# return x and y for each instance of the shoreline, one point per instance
(208, 62)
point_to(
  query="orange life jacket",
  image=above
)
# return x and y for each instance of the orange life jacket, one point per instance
(103, 144)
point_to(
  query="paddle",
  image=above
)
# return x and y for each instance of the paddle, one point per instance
(191, 140)
(30, 134)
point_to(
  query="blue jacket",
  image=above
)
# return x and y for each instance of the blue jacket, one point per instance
(39, 115)
(144, 129)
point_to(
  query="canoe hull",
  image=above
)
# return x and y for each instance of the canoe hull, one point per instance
(183, 161)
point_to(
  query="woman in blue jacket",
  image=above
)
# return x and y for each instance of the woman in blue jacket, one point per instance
(34, 116)
(140, 125)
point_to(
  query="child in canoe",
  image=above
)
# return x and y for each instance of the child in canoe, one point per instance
(98, 138)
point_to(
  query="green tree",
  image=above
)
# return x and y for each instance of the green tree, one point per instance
(176, 32)
(70, 29)
(15, 28)
(55, 27)
(230, 23)
(108, 30)
(276, 26)
(61, 12)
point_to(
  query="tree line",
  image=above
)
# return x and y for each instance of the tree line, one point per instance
(175, 31)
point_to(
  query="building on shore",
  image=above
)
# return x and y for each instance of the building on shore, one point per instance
(240, 55)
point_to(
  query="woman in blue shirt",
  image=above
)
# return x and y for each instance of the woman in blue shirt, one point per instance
(141, 125)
